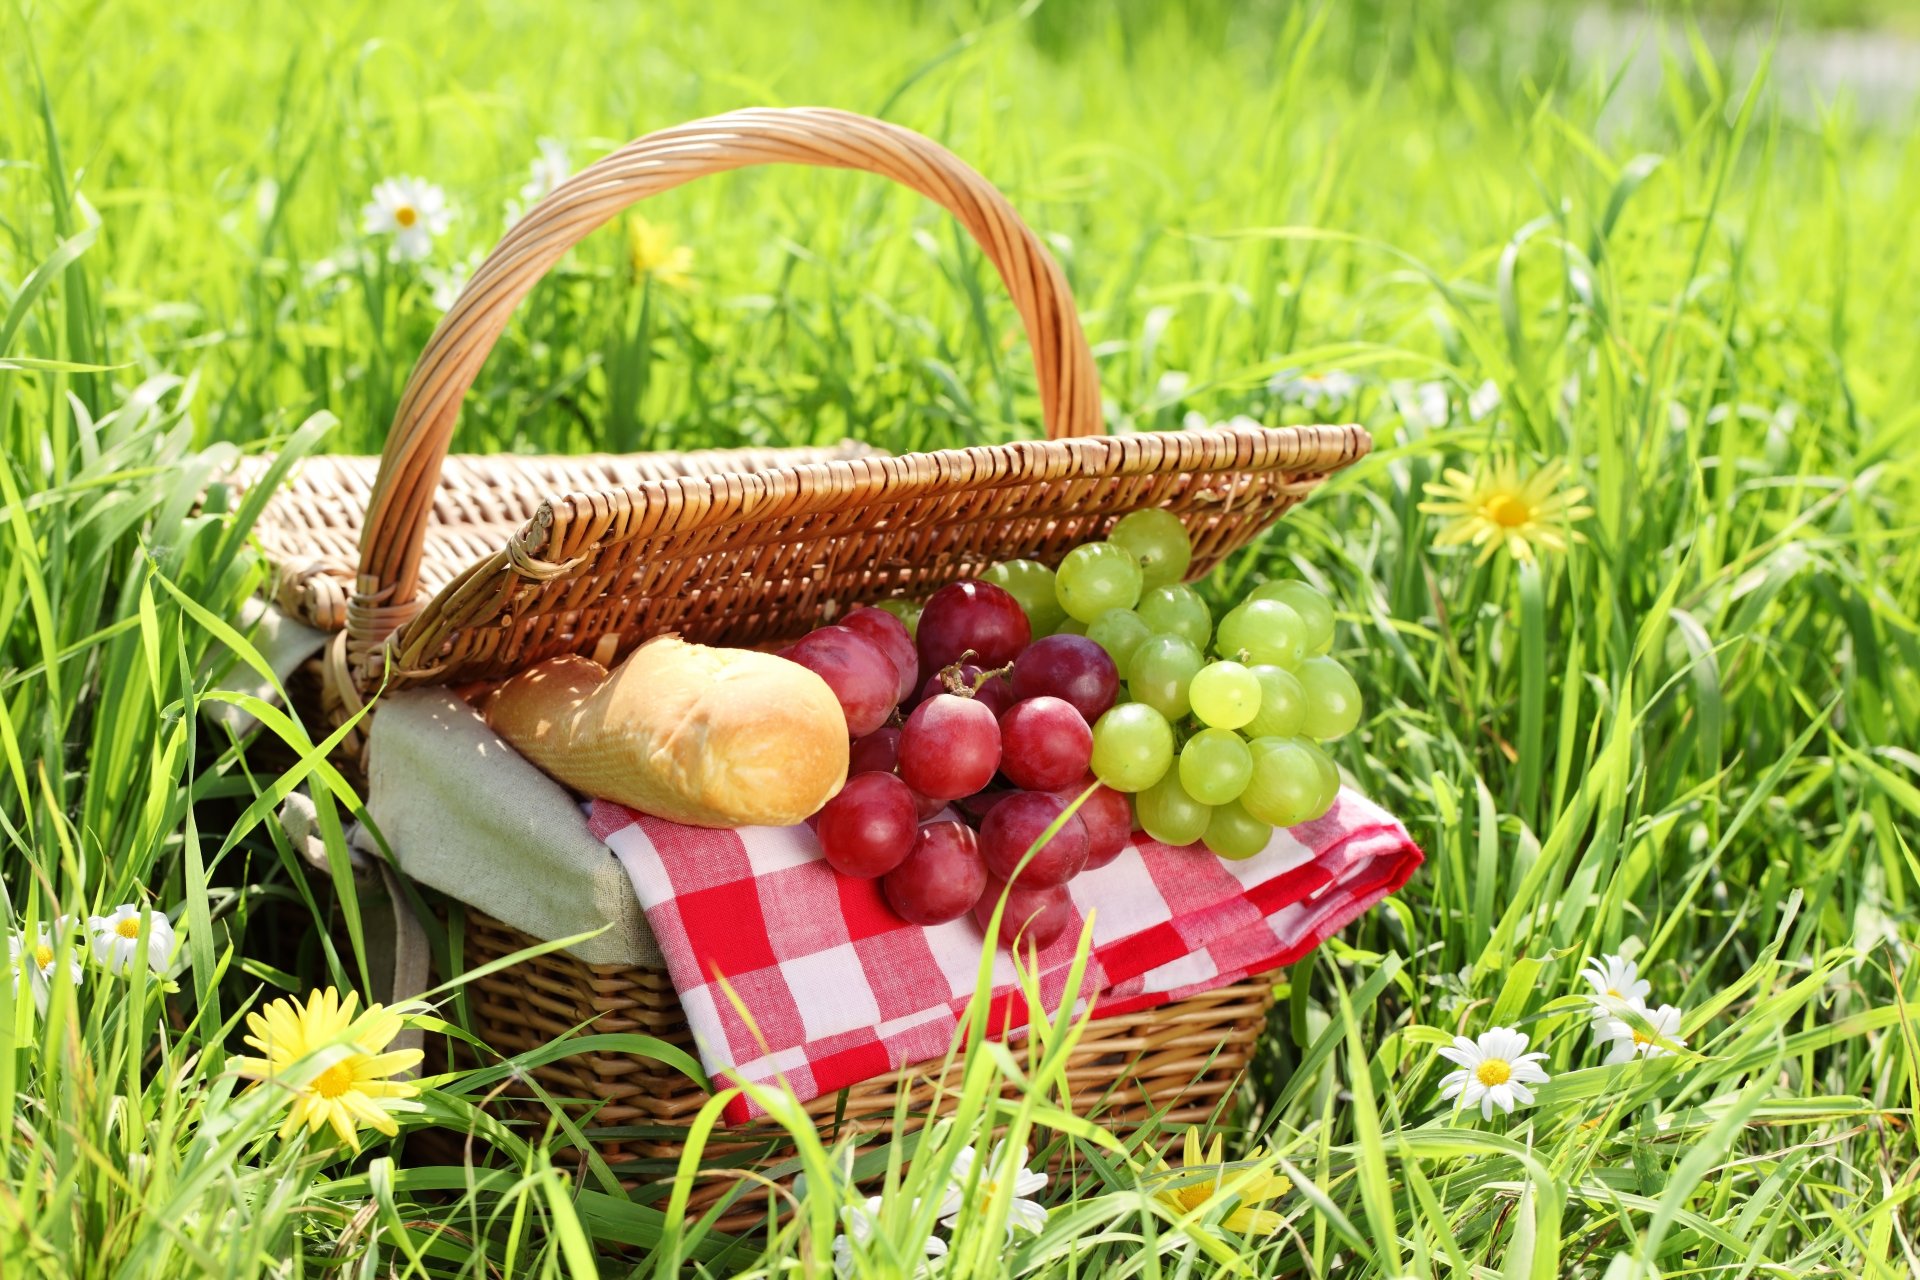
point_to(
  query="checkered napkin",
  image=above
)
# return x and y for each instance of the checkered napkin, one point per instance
(841, 990)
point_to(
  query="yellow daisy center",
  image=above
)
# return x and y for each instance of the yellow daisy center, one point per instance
(1193, 1196)
(1509, 511)
(128, 928)
(406, 215)
(1641, 1037)
(1494, 1071)
(335, 1080)
(43, 955)
(1614, 992)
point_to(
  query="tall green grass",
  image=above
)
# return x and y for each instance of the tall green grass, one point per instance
(1691, 738)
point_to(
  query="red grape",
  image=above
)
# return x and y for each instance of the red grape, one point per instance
(927, 807)
(867, 829)
(941, 878)
(889, 634)
(1044, 744)
(861, 676)
(971, 615)
(978, 805)
(1070, 667)
(950, 747)
(878, 752)
(996, 690)
(1016, 824)
(1033, 917)
(1107, 816)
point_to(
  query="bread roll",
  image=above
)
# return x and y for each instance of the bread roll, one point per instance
(708, 737)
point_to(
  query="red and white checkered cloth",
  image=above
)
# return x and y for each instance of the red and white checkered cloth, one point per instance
(841, 990)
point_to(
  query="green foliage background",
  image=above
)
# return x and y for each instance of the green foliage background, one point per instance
(1691, 738)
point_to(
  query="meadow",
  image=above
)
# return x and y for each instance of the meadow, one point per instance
(1688, 737)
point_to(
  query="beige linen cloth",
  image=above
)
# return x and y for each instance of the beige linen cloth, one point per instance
(463, 813)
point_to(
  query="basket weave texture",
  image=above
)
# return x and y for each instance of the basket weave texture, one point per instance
(1178, 1064)
(469, 569)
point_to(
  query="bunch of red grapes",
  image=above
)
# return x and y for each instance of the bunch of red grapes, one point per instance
(946, 808)
(1037, 687)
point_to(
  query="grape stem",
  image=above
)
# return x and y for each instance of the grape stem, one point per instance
(955, 679)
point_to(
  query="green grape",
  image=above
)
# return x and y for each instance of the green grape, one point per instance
(1215, 766)
(1158, 543)
(1329, 777)
(1333, 699)
(1287, 787)
(1068, 627)
(908, 611)
(1232, 832)
(1119, 632)
(1225, 695)
(1096, 577)
(1283, 703)
(1161, 669)
(1169, 814)
(1031, 583)
(1266, 631)
(1304, 599)
(1178, 611)
(1132, 747)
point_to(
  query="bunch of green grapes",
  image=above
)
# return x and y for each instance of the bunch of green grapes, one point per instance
(1223, 750)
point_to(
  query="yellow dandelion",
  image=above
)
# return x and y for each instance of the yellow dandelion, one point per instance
(1203, 1178)
(651, 252)
(354, 1089)
(1495, 508)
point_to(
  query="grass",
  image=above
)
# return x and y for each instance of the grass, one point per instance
(1690, 738)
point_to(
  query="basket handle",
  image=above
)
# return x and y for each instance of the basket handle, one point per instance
(397, 510)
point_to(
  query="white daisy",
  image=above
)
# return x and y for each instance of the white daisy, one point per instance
(1630, 1043)
(1614, 978)
(861, 1222)
(1023, 1213)
(116, 939)
(1433, 401)
(37, 964)
(1494, 1071)
(548, 170)
(1314, 390)
(1425, 403)
(412, 210)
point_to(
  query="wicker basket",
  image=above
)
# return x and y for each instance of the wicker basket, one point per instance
(469, 569)
(1178, 1063)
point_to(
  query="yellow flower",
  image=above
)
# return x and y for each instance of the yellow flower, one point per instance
(1495, 508)
(652, 252)
(1203, 1179)
(353, 1089)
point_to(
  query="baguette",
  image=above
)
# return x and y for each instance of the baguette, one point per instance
(696, 735)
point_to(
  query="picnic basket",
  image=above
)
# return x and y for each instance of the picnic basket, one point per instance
(430, 569)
